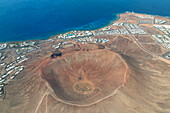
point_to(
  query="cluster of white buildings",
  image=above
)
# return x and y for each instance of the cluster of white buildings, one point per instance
(134, 29)
(59, 45)
(86, 39)
(118, 32)
(7, 77)
(102, 40)
(64, 36)
(56, 46)
(154, 21)
(109, 31)
(1, 90)
(11, 70)
(22, 44)
(118, 24)
(164, 40)
(113, 32)
(164, 28)
(25, 50)
(168, 56)
(21, 59)
(13, 64)
(2, 57)
(91, 40)
(158, 21)
(74, 34)
(146, 22)
(3, 46)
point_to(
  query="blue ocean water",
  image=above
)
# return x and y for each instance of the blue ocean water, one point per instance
(39, 19)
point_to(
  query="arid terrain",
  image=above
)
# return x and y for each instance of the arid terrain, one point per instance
(111, 72)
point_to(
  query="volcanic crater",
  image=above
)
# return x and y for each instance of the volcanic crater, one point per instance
(85, 77)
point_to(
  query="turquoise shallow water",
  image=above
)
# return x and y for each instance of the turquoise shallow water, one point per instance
(39, 19)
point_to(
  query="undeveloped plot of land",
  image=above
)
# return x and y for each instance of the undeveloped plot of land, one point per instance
(144, 38)
(150, 29)
(127, 47)
(117, 27)
(155, 48)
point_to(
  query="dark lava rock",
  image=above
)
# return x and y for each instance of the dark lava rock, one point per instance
(101, 46)
(56, 54)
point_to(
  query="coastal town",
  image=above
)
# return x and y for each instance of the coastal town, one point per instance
(15, 55)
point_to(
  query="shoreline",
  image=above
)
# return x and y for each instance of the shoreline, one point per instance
(74, 29)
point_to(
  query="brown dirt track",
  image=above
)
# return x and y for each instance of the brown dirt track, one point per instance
(95, 68)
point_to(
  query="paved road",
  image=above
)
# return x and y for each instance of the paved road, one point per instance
(141, 45)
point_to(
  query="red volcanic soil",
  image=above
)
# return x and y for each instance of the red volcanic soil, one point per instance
(80, 78)
(144, 38)
(92, 81)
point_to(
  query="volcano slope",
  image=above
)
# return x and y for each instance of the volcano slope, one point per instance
(93, 81)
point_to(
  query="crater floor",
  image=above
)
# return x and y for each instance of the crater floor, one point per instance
(80, 78)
